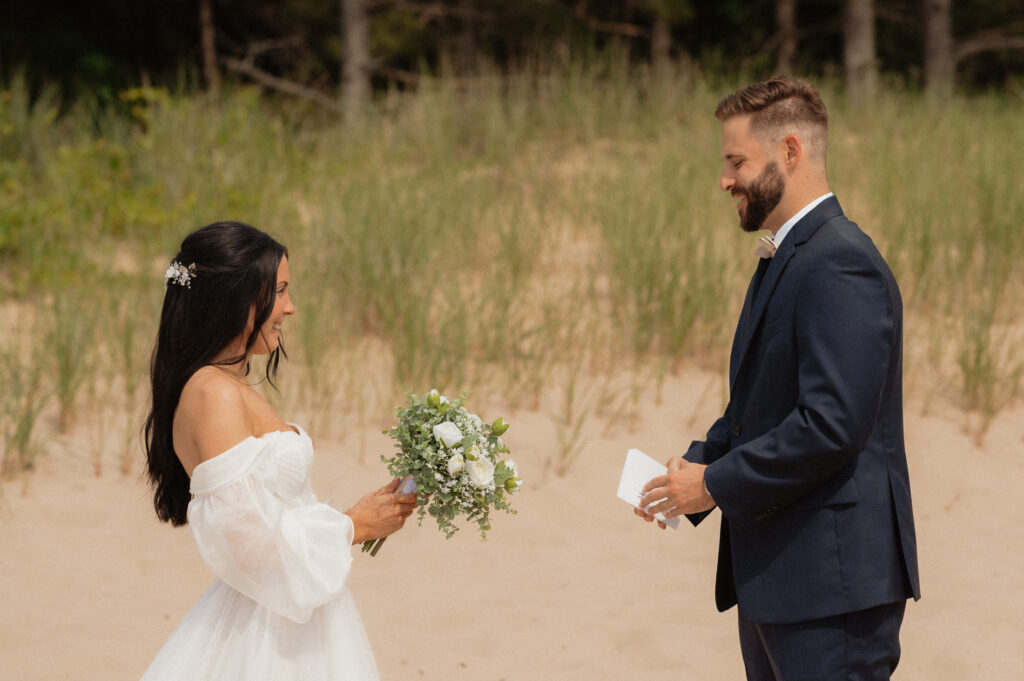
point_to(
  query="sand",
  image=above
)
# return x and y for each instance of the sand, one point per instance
(573, 587)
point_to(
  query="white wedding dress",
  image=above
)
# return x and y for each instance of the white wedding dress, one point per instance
(280, 610)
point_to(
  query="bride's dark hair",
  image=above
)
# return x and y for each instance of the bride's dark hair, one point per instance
(235, 272)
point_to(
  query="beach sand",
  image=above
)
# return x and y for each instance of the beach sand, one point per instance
(573, 587)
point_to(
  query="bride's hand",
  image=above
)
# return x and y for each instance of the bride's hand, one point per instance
(381, 512)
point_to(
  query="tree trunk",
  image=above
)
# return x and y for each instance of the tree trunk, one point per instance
(355, 62)
(939, 62)
(859, 50)
(661, 46)
(785, 24)
(209, 47)
(466, 41)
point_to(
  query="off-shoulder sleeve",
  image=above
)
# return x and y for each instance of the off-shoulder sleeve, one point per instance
(290, 557)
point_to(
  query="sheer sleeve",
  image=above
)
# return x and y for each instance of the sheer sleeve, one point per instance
(266, 536)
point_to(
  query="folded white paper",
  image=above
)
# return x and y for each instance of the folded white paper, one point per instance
(637, 472)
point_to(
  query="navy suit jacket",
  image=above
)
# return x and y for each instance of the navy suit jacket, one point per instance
(807, 464)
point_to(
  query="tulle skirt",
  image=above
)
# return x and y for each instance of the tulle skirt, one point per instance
(227, 636)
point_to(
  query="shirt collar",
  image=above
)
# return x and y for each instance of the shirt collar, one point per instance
(788, 225)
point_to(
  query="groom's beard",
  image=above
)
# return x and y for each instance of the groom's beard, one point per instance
(763, 195)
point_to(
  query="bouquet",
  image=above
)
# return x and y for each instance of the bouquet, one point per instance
(451, 459)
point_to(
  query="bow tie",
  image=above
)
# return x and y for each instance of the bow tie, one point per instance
(765, 247)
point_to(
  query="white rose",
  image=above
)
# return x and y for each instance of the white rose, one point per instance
(448, 433)
(481, 472)
(455, 464)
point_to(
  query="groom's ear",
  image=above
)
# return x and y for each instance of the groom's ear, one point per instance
(792, 151)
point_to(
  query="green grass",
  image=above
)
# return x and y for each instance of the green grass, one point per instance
(509, 235)
(23, 397)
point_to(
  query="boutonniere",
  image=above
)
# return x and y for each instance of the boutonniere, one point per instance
(765, 247)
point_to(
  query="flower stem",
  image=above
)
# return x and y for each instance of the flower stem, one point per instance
(373, 545)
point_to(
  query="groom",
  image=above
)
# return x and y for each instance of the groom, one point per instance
(807, 464)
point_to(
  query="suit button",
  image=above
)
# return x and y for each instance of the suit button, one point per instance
(736, 430)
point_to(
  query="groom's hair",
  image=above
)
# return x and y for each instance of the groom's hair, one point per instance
(779, 107)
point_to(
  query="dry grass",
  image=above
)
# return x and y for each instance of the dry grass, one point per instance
(518, 236)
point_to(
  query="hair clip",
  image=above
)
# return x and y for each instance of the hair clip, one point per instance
(179, 274)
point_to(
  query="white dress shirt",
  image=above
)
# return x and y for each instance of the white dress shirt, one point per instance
(788, 224)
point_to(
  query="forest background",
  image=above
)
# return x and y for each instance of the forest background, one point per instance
(513, 196)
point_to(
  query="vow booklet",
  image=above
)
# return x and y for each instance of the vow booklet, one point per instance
(637, 472)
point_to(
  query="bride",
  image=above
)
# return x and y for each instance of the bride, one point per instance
(221, 460)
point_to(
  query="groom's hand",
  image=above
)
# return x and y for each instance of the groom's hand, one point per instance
(649, 518)
(680, 491)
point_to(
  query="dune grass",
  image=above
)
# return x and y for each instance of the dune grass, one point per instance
(511, 235)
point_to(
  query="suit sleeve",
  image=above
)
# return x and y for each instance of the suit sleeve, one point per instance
(712, 448)
(715, 444)
(844, 334)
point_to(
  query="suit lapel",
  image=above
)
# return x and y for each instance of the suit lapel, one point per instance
(753, 309)
(744, 323)
(757, 306)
